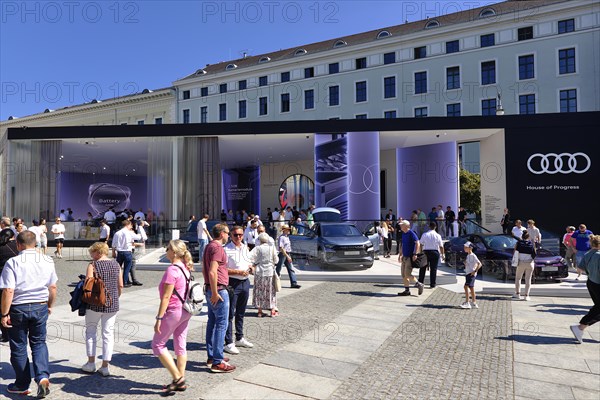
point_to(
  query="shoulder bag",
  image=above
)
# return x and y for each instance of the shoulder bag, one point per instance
(94, 290)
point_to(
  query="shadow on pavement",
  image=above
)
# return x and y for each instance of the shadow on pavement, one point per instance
(97, 386)
(369, 294)
(538, 340)
(563, 309)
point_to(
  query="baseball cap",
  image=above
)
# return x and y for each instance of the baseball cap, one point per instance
(469, 244)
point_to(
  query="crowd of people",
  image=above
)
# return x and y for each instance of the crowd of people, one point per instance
(231, 254)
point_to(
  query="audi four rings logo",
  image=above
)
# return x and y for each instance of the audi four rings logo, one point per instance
(564, 163)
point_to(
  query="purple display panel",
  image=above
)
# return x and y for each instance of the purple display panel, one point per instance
(363, 176)
(331, 172)
(96, 193)
(241, 189)
(427, 176)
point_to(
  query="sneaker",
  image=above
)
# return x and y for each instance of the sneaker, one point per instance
(231, 349)
(43, 388)
(578, 333)
(517, 297)
(12, 388)
(209, 361)
(223, 367)
(420, 288)
(527, 298)
(104, 371)
(136, 283)
(405, 293)
(474, 305)
(244, 343)
(465, 305)
(89, 367)
(295, 286)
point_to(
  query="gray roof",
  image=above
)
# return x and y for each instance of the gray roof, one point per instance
(371, 36)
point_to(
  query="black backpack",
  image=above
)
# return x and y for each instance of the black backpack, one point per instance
(526, 247)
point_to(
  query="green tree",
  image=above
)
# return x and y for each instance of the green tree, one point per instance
(470, 191)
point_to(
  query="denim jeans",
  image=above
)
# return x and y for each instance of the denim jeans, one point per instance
(125, 258)
(216, 326)
(28, 323)
(283, 260)
(202, 243)
(237, 308)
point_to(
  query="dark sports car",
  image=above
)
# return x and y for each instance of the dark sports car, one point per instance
(495, 253)
(333, 243)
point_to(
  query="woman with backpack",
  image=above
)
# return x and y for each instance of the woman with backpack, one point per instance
(526, 265)
(110, 272)
(172, 319)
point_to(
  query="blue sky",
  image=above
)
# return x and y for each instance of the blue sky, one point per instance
(59, 53)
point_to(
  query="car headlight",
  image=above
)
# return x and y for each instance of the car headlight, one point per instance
(369, 247)
(329, 246)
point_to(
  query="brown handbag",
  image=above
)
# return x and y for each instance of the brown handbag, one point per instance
(94, 290)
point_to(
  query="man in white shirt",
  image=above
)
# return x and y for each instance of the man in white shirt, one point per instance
(38, 233)
(289, 215)
(440, 220)
(59, 236)
(111, 218)
(238, 267)
(122, 246)
(433, 247)
(534, 233)
(517, 230)
(203, 235)
(104, 231)
(251, 234)
(28, 284)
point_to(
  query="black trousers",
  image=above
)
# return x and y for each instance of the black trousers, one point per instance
(433, 258)
(237, 308)
(593, 315)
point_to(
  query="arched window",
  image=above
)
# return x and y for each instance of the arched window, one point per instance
(300, 52)
(488, 12)
(229, 67)
(264, 60)
(383, 34)
(200, 72)
(339, 43)
(434, 23)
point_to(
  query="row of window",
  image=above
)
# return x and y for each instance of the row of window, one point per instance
(527, 102)
(526, 63)
(453, 46)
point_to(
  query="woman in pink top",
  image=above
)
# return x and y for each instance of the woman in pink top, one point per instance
(171, 318)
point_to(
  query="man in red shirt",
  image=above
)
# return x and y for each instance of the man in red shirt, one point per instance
(216, 279)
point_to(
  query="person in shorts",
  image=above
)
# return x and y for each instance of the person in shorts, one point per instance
(58, 229)
(472, 265)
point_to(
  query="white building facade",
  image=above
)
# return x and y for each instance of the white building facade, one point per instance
(535, 56)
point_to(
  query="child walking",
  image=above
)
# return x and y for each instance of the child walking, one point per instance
(472, 265)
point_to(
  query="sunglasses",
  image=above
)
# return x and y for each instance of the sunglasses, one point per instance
(238, 234)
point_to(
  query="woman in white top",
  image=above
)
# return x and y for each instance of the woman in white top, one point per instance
(264, 258)
(43, 235)
(384, 232)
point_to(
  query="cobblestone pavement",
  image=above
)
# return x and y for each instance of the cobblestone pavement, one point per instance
(441, 352)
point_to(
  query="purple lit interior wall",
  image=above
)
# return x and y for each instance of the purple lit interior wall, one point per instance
(363, 176)
(427, 176)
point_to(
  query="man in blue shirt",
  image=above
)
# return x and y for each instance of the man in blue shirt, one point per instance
(581, 241)
(410, 248)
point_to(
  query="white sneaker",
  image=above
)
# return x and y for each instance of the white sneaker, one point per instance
(231, 349)
(578, 333)
(527, 298)
(243, 343)
(465, 305)
(89, 367)
(517, 297)
(104, 371)
(474, 305)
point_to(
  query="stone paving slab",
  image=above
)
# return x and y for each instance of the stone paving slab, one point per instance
(555, 375)
(533, 389)
(240, 390)
(290, 381)
(325, 367)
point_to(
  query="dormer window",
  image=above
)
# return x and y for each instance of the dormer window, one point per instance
(488, 12)
(264, 60)
(229, 67)
(200, 72)
(432, 24)
(339, 43)
(300, 52)
(383, 34)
